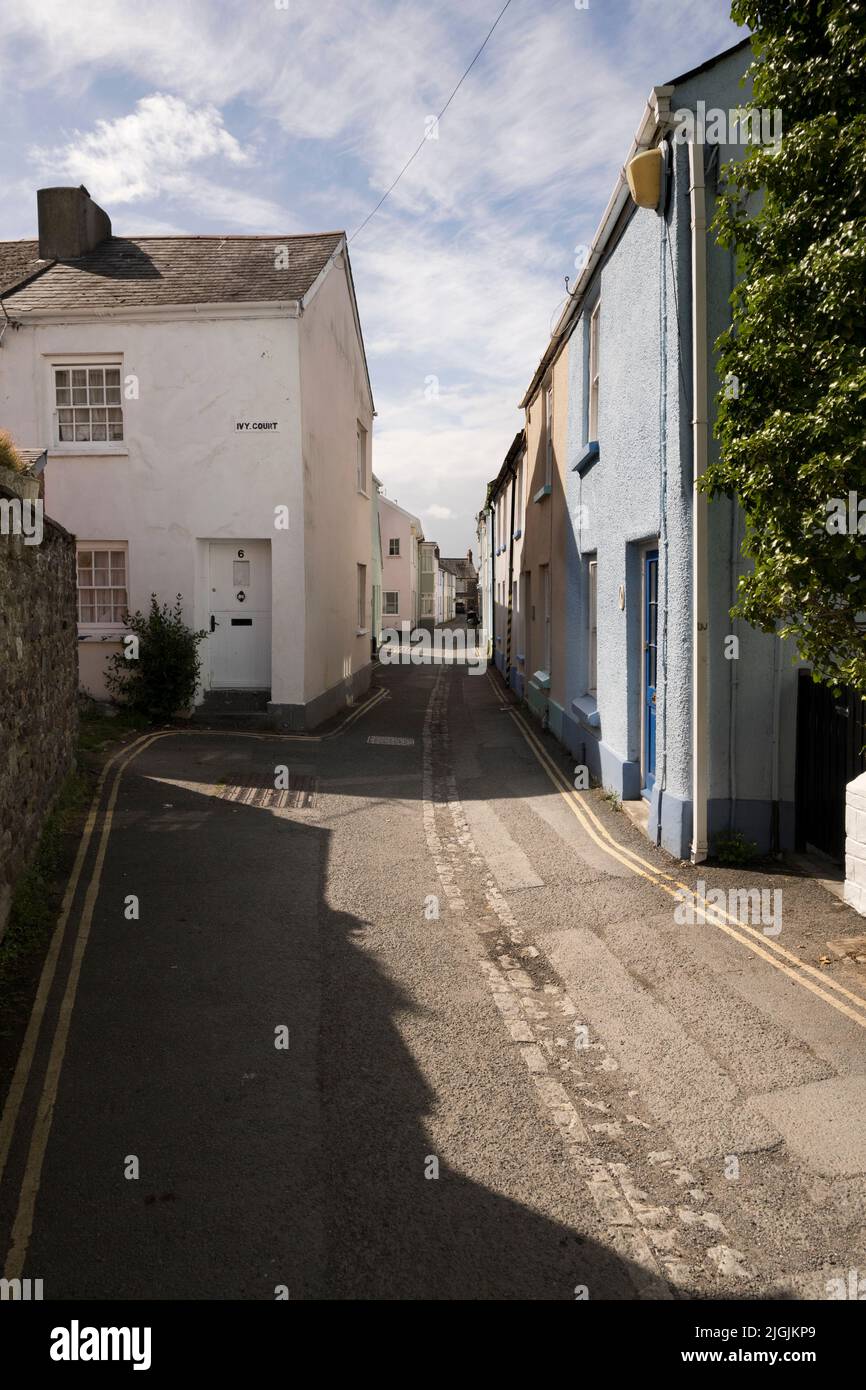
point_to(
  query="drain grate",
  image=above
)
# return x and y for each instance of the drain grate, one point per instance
(300, 795)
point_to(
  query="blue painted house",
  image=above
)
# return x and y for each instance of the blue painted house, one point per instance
(650, 683)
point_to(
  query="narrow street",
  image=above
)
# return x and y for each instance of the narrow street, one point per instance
(509, 1073)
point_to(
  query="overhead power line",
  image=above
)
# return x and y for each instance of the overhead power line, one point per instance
(423, 140)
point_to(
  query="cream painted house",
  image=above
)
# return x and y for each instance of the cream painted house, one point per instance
(207, 412)
(544, 551)
(446, 586)
(401, 534)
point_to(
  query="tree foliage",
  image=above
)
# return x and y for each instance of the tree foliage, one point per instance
(793, 433)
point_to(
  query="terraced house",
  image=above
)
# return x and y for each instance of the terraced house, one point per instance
(401, 535)
(206, 410)
(613, 578)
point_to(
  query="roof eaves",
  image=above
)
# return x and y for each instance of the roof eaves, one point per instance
(711, 62)
(20, 281)
(655, 117)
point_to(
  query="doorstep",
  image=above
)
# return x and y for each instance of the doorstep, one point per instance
(814, 864)
(638, 813)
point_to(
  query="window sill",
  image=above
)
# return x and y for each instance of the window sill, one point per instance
(88, 451)
(543, 492)
(587, 711)
(542, 679)
(517, 535)
(521, 658)
(361, 631)
(586, 458)
(100, 634)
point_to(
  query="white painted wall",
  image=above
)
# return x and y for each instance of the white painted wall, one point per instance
(855, 844)
(337, 516)
(400, 572)
(183, 475)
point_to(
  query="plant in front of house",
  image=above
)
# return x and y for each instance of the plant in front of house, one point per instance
(793, 428)
(735, 849)
(161, 679)
(9, 456)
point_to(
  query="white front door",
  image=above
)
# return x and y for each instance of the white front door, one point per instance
(239, 639)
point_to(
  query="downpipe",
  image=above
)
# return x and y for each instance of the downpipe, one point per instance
(700, 596)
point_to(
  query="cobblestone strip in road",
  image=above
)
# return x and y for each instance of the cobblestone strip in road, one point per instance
(677, 1245)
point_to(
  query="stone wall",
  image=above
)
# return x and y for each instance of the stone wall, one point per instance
(38, 684)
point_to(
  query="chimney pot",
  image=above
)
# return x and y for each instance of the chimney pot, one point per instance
(70, 223)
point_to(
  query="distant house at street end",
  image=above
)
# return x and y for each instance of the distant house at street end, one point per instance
(401, 536)
(465, 581)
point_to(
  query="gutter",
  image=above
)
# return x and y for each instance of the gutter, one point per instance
(700, 594)
(655, 118)
(510, 618)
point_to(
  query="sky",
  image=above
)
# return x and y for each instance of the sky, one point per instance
(284, 116)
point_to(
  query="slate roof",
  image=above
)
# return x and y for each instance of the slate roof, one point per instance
(461, 568)
(167, 270)
(18, 260)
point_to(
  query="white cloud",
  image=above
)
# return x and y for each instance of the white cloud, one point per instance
(459, 274)
(145, 154)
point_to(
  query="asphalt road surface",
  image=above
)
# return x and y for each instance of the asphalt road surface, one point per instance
(383, 1016)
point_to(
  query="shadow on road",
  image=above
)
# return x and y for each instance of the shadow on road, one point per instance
(258, 1167)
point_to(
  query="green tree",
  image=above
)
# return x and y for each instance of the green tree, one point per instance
(793, 432)
(159, 675)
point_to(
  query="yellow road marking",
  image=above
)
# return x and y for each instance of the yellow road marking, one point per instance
(716, 916)
(23, 1224)
(294, 738)
(28, 1048)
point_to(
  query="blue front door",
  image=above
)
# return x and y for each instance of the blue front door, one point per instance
(650, 652)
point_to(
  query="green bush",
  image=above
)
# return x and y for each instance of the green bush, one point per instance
(163, 677)
(735, 849)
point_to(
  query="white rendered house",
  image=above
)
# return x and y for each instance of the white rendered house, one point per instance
(401, 533)
(207, 412)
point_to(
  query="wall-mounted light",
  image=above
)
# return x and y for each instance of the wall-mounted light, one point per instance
(647, 177)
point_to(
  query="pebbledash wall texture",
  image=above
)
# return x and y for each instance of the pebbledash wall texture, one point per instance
(38, 685)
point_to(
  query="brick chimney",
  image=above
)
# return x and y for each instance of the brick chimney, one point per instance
(70, 223)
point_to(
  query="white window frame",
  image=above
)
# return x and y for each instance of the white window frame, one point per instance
(388, 611)
(548, 434)
(394, 541)
(592, 627)
(547, 649)
(94, 627)
(362, 599)
(592, 413)
(69, 361)
(361, 469)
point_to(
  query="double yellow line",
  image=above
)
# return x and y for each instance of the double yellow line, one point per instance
(781, 959)
(113, 771)
(23, 1223)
